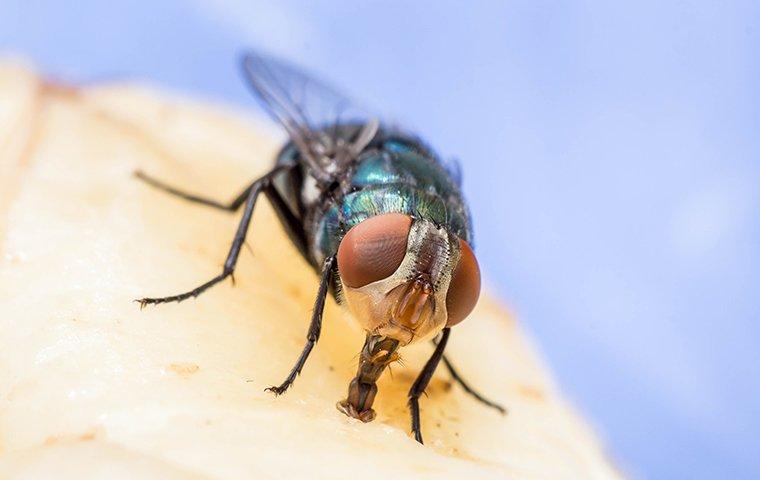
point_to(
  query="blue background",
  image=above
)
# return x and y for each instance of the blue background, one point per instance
(611, 157)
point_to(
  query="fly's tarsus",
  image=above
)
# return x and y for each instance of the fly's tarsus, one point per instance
(184, 296)
(315, 327)
(278, 390)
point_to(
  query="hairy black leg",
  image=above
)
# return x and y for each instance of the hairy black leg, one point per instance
(294, 226)
(230, 207)
(467, 388)
(237, 245)
(418, 388)
(315, 327)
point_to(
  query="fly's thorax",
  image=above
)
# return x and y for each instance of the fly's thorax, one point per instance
(410, 304)
(395, 173)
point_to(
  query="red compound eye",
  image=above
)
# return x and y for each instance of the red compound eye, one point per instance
(373, 249)
(464, 288)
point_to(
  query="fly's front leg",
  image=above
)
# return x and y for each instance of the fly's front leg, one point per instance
(315, 327)
(467, 388)
(418, 388)
(230, 207)
(237, 244)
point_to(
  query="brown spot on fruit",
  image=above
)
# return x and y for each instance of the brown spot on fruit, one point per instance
(184, 369)
(85, 436)
(531, 392)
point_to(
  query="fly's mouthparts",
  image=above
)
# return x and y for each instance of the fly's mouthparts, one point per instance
(360, 398)
(416, 303)
(377, 354)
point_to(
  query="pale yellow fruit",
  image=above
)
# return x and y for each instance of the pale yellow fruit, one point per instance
(93, 387)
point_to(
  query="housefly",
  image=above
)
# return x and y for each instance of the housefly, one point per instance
(378, 216)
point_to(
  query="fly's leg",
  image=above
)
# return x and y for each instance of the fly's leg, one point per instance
(291, 222)
(467, 388)
(418, 388)
(286, 215)
(230, 207)
(315, 326)
(237, 244)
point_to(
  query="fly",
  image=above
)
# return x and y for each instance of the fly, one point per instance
(376, 214)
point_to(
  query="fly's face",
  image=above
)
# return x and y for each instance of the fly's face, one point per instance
(406, 278)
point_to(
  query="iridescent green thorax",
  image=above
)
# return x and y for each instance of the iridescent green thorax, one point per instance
(398, 175)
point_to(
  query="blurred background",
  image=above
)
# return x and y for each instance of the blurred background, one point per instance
(611, 155)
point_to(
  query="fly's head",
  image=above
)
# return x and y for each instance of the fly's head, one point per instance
(405, 278)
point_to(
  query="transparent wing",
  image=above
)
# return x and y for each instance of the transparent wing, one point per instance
(307, 108)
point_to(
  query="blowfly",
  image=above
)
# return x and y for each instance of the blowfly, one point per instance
(377, 214)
